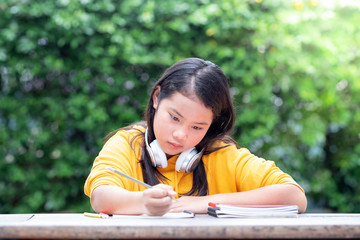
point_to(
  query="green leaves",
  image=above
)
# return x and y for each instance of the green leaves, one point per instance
(72, 71)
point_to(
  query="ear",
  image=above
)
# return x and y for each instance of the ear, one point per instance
(155, 97)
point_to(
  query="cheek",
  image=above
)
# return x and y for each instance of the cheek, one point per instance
(196, 139)
(161, 124)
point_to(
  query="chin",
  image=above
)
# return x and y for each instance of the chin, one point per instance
(172, 152)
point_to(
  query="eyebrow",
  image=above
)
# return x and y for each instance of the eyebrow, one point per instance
(199, 123)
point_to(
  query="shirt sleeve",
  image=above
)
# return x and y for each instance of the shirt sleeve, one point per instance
(118, 154)
(235, 170)
(253, 172)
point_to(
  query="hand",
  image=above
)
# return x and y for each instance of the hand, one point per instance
(157, 200)
(193, 204)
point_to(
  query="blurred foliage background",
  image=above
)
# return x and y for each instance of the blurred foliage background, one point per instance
(71, 71)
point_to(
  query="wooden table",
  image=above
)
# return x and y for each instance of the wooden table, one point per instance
(77, 226)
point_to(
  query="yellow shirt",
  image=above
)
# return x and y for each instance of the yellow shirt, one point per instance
(228, 170)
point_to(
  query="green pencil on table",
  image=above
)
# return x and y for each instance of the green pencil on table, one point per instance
(96, 215)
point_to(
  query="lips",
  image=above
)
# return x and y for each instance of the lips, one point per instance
(175, 145)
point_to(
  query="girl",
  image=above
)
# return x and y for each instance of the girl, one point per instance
(184, 151)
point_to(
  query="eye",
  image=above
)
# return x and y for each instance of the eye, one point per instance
(197, 128)
(173, 117)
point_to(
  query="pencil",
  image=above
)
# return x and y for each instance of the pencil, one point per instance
(95, 215)
(131, 178)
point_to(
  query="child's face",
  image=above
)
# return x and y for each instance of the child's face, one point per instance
(180, 123)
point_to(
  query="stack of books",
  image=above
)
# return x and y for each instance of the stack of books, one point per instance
(224, 210)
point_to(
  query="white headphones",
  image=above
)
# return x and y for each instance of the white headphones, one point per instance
(186, 162)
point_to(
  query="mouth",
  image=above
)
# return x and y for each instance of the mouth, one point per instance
(174, 145)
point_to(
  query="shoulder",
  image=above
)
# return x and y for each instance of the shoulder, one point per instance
(229, 154)
(129, 132)
(220, 148)
(128, 135)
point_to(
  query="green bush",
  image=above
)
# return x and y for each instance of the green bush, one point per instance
(72, 71)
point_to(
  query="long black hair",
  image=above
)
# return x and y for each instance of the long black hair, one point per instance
(205, 80)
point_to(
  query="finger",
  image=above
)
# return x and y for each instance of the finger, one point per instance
(170, 191)
(161, 202)
(157, 206)
(156, 193)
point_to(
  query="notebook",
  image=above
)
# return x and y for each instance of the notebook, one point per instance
(224, 210)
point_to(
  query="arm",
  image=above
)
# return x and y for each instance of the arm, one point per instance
(278, 194)
(113, 194)
(115, 200)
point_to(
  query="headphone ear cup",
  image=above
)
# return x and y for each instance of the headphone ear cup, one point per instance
(188, 160)
(158, 156)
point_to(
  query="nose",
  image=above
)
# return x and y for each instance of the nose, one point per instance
(180, 134)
